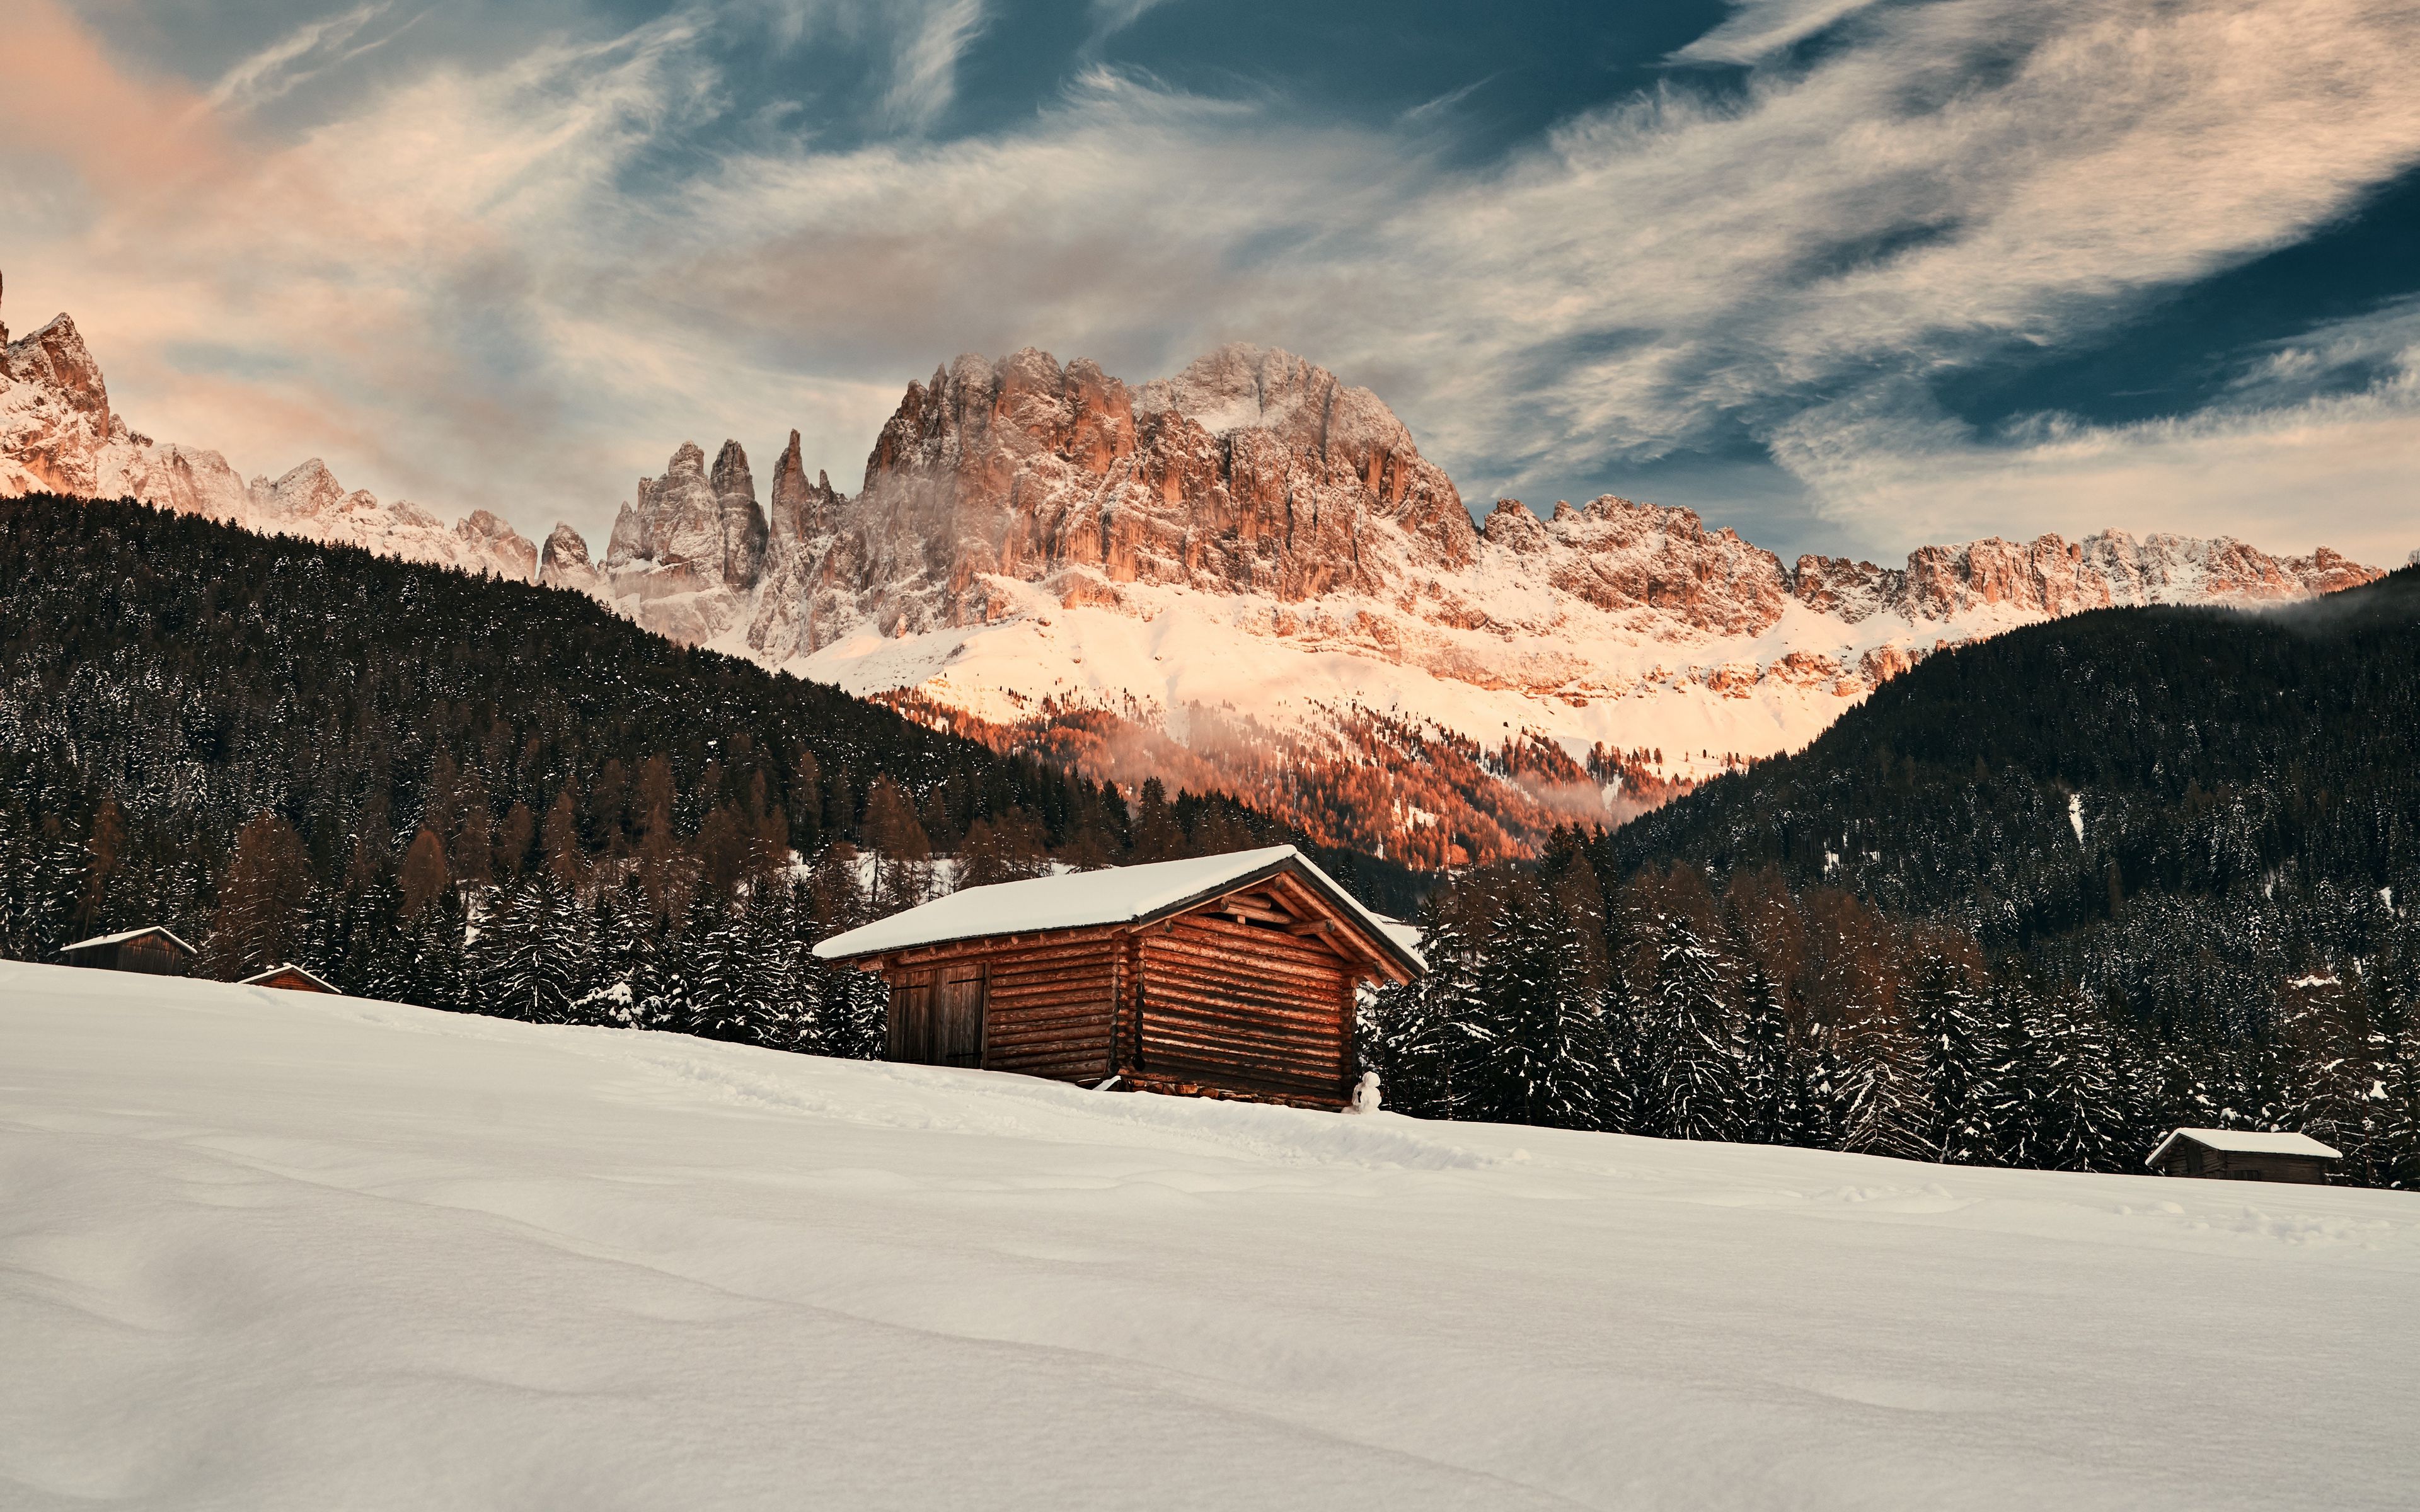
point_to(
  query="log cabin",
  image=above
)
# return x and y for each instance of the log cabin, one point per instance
(2242, 1155)
(1224, 976)
(152, 950)
(291, 978)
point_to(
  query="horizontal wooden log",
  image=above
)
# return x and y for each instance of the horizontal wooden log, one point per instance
(1067, 1034)
(1218, 1009)
(1216, 966)
(1091, 1052)
(1257, 915)
(1306, 1070)
(1052, 1009)
(1218, 987)
(1264, 1036)
(1074, 958)
(1096, 989)
(1052, 1012)
(1280, 1026)
(1273, 947)
(1181, 954)
(1059, 1058)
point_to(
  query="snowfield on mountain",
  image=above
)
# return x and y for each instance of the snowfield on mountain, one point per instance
(264, 1250)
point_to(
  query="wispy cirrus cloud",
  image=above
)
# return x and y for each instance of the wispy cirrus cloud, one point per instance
(290, 60)
(1756, 29)
(928, 64)
(479, 278)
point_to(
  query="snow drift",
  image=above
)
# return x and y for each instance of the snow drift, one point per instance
(261, 1249)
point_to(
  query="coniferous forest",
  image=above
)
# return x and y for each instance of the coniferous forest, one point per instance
(483, 796)
(2037, 900)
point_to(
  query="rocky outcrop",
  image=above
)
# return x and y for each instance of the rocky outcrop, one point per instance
(688, 530)
(1621, 556)
(799, 512)
(562, 563)
(2050, 576)
(1251, 472)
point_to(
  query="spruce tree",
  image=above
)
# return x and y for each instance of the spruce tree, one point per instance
(1689, 1041)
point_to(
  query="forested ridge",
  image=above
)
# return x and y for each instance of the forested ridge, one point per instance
(2036, 899)
(480, 795)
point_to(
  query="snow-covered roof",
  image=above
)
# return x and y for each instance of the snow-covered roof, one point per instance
(1092, 900)
(125, 934)
(2247, 1142)
(257, 978)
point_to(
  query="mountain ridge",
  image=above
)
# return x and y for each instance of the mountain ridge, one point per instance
(1249, 562)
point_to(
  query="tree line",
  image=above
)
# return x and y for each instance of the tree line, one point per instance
(2038, 899)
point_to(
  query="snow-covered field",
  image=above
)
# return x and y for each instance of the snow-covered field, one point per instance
(265, 1250)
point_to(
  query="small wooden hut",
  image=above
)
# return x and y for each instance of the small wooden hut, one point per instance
(2242, 1155)
(291, 978)
(151, 949)
(1223, 976)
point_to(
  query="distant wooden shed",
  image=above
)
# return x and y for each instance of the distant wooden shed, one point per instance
(152, 950)
(1223, 976)
(291, 977)
(2242, 1155)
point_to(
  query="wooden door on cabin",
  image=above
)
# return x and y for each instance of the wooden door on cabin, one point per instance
(911, 1019)
(958, 1018)
(936, 1017)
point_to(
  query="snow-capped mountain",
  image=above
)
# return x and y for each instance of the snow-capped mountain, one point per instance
(59, 433)
(1245, 577)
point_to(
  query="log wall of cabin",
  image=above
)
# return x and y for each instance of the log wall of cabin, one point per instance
(2224, 1165)
(1048, 1009)
(1243, 1007)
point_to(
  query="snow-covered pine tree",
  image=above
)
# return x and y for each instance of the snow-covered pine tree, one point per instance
(1692, 1086)
(1536, 1007)
(1768, 1083)
(2076, 1089)
(42, 869)
(682, 1001)
(2330, 1074)
(1885, 1093)
(526, 961)
(1424, 1034)
(1964, 1051)
(622, 948)
(2396, 1114)
(1811, 1114)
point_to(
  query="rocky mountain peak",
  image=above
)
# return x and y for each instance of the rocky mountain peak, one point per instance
(1251, 472)
(308, 488)
(686, 531)
(56, 360)
(744, 530)
(798, 511)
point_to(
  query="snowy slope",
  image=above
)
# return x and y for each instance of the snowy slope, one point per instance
(264, 1250)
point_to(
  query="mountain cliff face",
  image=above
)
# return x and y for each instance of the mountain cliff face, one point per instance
(1243, 577)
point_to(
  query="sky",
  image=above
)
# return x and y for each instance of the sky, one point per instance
(1847, 275)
